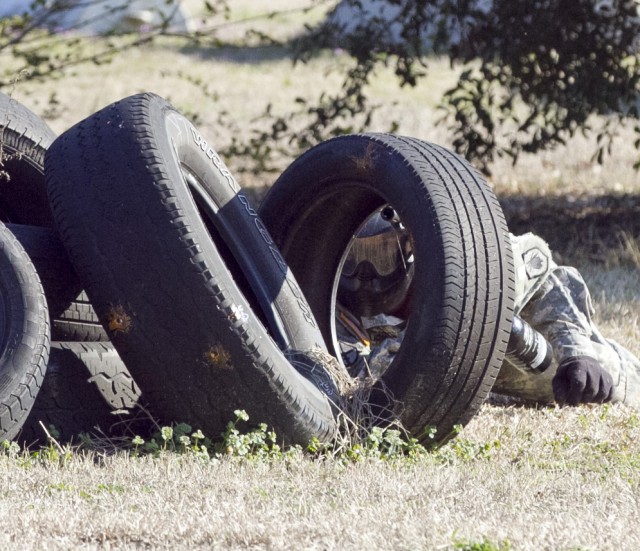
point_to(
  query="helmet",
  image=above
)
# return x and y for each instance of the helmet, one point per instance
(377, 272)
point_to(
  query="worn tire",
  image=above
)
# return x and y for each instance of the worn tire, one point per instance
(87, 386)
(24, 140)
(462, 304)
(156, 229)
(24, 335)
(73, 317)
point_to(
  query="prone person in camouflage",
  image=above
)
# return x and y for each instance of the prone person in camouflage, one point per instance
(554, 300)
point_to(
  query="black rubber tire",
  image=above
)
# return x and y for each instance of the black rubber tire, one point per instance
(24, 335)
(73, 317)
(86, 386)
(24, 140)
(78, 322)
(462, 305)
(154, 261)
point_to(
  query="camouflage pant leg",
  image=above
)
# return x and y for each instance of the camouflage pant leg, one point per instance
(560, 308)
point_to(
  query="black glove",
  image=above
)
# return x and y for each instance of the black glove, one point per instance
(580, 380)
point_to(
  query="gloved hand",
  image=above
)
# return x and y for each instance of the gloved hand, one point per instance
(581, 380)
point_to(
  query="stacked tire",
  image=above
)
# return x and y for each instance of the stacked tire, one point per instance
(165, 286)
(24, 335)
(47, 388)
(461, 306)
(183, 275)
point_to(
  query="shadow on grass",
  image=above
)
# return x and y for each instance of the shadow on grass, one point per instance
(589, 228)
(602, 230)
(241, 54)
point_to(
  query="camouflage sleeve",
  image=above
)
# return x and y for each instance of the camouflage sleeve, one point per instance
(532, 264)
(562, 310)
(556, 301)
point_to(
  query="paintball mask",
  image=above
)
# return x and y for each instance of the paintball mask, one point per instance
(377, 272)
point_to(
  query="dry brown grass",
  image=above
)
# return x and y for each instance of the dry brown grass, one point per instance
(525, 478)
(549, 479)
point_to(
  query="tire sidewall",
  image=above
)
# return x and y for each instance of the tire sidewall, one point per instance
(183, 146)
(392, 181)
(25, 338)
(294, 325)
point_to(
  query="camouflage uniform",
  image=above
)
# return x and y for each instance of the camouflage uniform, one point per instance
(555, 300)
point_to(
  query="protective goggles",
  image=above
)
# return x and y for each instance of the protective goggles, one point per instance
(385, 252)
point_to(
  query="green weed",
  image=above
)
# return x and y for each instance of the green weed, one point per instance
(180, 438)
(262, 443)
(484, 545)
